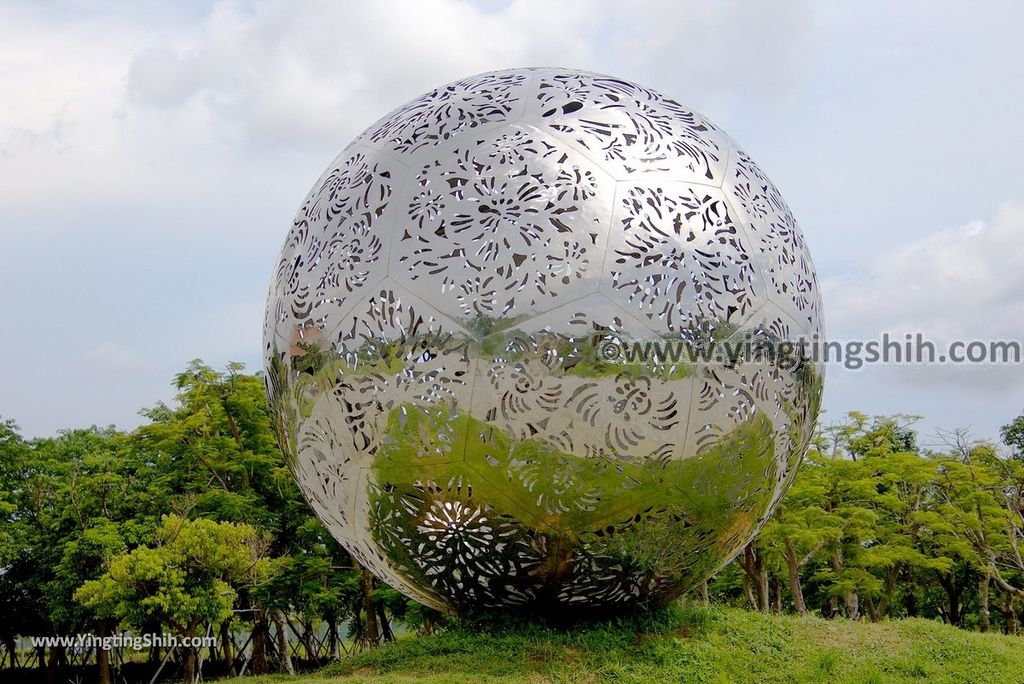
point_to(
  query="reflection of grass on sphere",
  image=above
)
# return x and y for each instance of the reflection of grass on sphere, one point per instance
(653, 516)
(709, 487)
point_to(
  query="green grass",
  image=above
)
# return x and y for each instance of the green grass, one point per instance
(689, 644)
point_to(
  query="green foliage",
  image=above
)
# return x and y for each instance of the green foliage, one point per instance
(219, 451)
(70, 502)
(185, 522)
(1013, 436)
(220, 455)
(874, 527)
(194, 518)
(188, 578)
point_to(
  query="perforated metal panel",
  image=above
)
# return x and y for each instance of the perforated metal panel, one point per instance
(441, 334)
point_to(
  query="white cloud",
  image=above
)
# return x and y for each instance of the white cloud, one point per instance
(960, 283)
(957, 283)
(112, 357)
(277, 74)
(151, 157)
(124, 109)
(717, 50)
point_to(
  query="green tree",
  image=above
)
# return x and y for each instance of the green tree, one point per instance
(979, 494)
(223, 462)
(189, 578)
(17, 535)
(1013, 436)
(73, 501)
(801, 526)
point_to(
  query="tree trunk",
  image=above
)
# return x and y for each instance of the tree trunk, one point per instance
(9, 648)
(831, 606)
(1012, 623)
(852, 605)
(189, 655)
(332, 632)
(873, 613)
(702, 590)
(762, 582)
(226, 651)
(777, 595)
(910, 602)
(749, 592)
(212, 650)
(310, 641)
(984, 616)
(385, 626)
(54, 662)
(891, 577)
(953, 598)
(372, 634)
(792, 565)
(260, 628)
(103, 656)
(754, 568)
(850, 600)
(427, 628)
(283, 651)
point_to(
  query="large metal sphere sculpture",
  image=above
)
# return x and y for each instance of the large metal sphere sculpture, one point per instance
(479, 334)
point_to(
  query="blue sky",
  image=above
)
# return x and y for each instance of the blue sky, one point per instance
(152, 156)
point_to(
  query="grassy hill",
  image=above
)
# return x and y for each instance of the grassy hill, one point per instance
(689, 644)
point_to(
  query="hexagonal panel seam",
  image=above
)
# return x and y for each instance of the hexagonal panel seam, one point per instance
(721, 140)
(427, 152)
(362, 485)
(667, 186)
(406, 290)
(626, 313)
(601, 244)
(755, 254)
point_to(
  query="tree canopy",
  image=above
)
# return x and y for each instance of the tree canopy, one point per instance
(193, 524)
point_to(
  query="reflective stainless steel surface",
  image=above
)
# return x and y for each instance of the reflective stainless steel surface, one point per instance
(441, 333)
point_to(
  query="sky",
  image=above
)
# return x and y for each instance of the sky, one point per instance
(152, 156)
